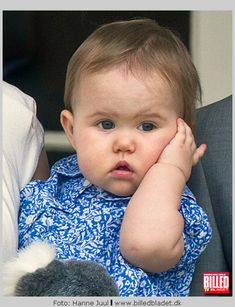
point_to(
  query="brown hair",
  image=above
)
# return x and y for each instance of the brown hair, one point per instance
(142, 45)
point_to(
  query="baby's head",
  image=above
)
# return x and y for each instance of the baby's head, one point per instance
(145, 48)
(126, 86)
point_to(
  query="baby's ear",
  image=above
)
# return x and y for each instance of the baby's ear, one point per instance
(66, 119)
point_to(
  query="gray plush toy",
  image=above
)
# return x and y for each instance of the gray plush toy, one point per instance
(35, 272)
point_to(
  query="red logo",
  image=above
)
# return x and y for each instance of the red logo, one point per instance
(216, 282)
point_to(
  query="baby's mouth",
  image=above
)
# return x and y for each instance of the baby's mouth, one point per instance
(123, 166)
(122, 170)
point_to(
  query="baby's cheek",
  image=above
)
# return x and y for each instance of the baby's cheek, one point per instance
(157, 150)
(89, 167)
(84, 163)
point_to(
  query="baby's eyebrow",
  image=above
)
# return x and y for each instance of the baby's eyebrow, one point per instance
(102, 114)
(148, 115)
(138, 116)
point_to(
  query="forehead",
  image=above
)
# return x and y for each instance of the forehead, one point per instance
(120, 84)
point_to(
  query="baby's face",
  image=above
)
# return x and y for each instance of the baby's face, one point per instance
(121, 124)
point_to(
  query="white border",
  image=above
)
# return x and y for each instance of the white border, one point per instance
(121, 5)
(117, 5)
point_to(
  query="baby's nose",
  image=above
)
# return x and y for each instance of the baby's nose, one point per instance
(124, 143)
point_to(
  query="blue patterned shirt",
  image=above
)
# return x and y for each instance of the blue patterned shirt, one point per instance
(83, 222)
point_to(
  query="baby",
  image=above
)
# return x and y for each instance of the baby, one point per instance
(122, 200)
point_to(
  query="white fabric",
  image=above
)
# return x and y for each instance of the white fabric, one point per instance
(22, 145)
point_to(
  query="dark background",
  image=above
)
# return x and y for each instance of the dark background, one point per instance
(37, 46)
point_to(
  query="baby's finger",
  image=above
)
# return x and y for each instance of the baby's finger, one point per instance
(189, 135)
(199, 153)
(193, 146)
(181, 132)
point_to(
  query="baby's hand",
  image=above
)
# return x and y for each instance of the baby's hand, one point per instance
(182, 151)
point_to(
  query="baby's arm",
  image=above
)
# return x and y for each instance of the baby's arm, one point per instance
(151, 232)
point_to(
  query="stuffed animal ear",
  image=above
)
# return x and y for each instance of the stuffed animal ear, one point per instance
(67, 278)
(37, 255)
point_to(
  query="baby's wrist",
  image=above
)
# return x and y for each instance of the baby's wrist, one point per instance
(175, 167)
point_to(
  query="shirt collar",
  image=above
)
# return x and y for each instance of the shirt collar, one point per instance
(68, 167)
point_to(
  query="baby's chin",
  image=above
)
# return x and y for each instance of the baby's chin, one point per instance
(122, 194)
(121, 191)
(118, 188)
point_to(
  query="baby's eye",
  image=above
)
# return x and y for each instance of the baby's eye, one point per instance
(147, 127)
(106, 124)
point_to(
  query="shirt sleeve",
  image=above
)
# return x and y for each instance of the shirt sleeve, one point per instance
(197, 230)
(23, 133)
(22, 145)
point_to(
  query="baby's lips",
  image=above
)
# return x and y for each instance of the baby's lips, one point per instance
(122, 165)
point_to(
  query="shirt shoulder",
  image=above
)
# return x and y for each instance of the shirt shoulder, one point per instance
(197, 229)
(187, 194)
(192, 212)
